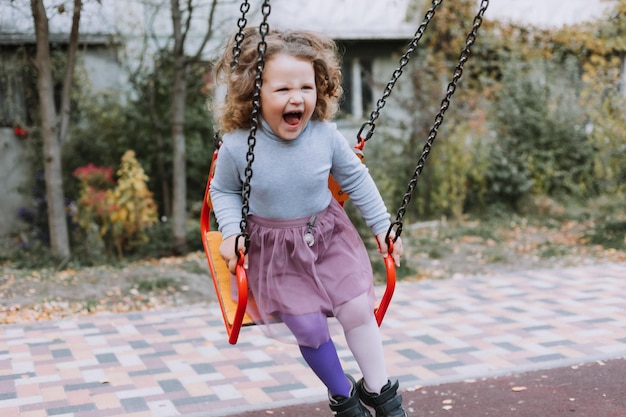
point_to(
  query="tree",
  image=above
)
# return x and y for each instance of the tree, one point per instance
(181, 22)
(54, 125)
(170, 56)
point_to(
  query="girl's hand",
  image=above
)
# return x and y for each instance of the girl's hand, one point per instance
(384, 249)
(227, 250)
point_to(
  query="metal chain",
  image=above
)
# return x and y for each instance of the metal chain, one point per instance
(241, 24)
(404, 60)
(254, 118)
(445, 104)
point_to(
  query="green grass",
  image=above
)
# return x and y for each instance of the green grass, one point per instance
(552, 250)
(483, 230)
(495, 255)
(608, 233)
(194, 267)
(162, 283)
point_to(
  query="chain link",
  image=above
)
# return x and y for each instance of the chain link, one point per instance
(241, 24)
(404, 60)
(264, 29)
(445, 104)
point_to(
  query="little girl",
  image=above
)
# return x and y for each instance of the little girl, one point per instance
(306, 261)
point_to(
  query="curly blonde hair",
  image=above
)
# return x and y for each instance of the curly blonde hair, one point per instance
(322, 52)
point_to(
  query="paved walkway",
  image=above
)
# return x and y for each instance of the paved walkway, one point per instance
(177, 362)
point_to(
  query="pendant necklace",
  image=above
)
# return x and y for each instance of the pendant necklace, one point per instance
(309, 239)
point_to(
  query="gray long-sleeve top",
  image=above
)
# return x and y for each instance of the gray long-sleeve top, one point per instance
(290, 177)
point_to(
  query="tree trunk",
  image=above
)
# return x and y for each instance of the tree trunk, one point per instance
(66, 97)
(179, 97)
(179, 206)
(157, 128)
(59, 239)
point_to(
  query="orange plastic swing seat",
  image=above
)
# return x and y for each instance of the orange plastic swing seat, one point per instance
(234, 311)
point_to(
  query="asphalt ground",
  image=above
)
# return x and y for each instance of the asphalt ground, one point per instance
(596, 389)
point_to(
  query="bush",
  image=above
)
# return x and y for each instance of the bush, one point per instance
(135, 208)
(509, 180)
(541, 146)
(115, 215)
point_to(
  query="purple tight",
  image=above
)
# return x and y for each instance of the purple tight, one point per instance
(363, 338)
(325, 363)
(318, 350)
(310, 330)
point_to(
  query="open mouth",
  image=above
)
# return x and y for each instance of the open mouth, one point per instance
(292, 118)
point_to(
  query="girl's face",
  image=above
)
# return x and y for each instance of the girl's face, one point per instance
(288, 95)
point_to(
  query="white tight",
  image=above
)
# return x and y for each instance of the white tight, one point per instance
(363, 337)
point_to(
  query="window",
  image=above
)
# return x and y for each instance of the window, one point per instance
(357, 86)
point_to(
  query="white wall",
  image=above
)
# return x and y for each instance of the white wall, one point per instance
(14, 170)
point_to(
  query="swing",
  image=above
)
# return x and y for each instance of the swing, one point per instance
(234, 312)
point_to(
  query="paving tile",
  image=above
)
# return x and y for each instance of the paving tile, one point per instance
(133, 404)
(69, 409)
(171, 385)
(21, 413)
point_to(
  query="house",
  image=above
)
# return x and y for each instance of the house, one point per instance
(373, 32)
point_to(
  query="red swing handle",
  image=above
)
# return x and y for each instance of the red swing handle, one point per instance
(241, 277)
(390, 267)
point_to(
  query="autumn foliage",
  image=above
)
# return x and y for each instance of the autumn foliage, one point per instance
(95, 202)
(119, 212)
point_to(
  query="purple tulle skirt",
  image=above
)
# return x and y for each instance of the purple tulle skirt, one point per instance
(287, 276)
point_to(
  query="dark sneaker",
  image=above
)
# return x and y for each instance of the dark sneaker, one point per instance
(387, 404)
(348, 406)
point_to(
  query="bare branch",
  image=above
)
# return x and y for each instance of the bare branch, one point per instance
(207, 35)
(69, 71)
(187, 21)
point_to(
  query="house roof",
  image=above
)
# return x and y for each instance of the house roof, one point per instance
(341, 19)
(58, 38)
(348, 19)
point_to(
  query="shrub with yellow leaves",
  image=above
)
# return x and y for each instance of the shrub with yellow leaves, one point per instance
(122, 213)
(135, 209)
